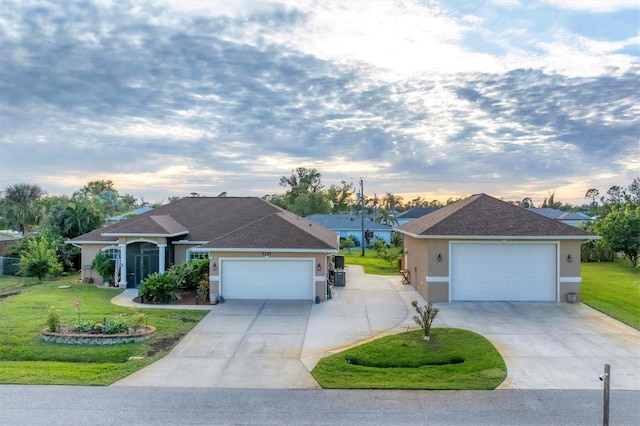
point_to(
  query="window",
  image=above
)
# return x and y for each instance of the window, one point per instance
(111, 253)
(197, 255)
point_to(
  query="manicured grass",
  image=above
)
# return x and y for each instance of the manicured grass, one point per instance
(370, 262)
(453, 359)
(25, 359)
(10, 282)
(614, 289)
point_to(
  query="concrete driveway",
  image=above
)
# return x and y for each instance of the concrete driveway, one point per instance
(552, 345)
(275, 344)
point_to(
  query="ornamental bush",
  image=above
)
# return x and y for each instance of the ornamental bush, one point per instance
(158, 288)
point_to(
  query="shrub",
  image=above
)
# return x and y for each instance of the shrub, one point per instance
(39, 259)
(53, 318)
(158, 288)
(379, 246)
(189, 274)
(105, 266)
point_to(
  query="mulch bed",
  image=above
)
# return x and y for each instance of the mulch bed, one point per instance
(187, 297)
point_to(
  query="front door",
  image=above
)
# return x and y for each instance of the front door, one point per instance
(142, 261)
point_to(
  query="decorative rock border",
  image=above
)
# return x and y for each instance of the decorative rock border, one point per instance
(98, 339)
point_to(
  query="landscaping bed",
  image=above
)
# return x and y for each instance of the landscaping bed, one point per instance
(69, 337)
(452, 359)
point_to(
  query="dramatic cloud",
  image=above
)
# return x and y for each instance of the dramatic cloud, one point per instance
(435, 99)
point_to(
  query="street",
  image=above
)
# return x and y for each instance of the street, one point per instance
(75, 405)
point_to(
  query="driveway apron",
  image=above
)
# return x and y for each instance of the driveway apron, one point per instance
(239, 344)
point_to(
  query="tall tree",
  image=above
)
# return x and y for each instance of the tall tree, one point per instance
(21, 206)
(341, 197)
(620, 230)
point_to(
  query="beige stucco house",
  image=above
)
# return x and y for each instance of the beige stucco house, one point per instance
(485, 249)
(255, 249)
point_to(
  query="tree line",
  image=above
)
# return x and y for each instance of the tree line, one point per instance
(28, 209)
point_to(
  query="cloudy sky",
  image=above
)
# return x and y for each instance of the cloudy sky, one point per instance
(513, 98)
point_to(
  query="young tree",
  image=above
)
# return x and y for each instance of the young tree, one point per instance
(425, 317)
(39, 259)
(620, 230)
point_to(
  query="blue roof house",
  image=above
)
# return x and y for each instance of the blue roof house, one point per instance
(346, 225)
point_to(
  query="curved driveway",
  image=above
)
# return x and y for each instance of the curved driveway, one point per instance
(275, 343)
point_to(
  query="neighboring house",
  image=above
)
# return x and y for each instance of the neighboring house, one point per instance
(255, 249)
(485, 249)
(573, 219)
(118, 218)
(414, 214)
(346, 225)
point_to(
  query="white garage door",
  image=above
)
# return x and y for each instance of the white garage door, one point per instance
(503, 272)
(267, 279)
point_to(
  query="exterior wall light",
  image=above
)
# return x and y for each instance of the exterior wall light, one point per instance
(319, 267)
(569, 259)
(439, 257)
(214, 266)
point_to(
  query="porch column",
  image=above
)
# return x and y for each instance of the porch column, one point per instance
(123, 266)
(161, 257)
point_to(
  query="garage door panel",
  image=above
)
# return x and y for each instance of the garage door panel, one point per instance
(503, 272)
(267, 279)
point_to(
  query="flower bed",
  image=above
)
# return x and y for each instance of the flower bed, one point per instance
(74, 338)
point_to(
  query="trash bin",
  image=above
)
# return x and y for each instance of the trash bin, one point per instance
(341, 279)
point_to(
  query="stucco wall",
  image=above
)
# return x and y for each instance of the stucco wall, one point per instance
(431, 278)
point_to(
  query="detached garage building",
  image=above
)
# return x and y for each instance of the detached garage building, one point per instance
(484, 249)
(255, 249)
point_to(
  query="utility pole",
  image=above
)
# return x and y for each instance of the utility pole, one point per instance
(362, 217)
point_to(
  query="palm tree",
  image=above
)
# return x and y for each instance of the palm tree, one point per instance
(75, 218)
(21, 206)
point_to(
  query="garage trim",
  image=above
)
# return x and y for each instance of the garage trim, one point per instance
(555, 244)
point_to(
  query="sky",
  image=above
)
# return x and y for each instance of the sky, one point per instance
(435, 99)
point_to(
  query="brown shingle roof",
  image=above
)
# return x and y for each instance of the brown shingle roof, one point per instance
(238, 222)
(483, 216)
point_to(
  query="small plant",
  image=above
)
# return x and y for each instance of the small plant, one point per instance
(82, 326)
(76, 306)
(138, 319)
(53, 318)
(97, 328)
(425, 317)
(117, 325)
(203, 290)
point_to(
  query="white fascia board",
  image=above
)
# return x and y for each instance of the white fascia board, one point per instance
(189, 243)
(77, 243)
(273, 250)
(131, 234)
(501, 237)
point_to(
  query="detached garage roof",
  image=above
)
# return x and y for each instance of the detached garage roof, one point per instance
(482, 216)
(221, 222)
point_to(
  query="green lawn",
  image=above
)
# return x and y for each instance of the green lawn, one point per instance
(370, 262)
(10, 282)
(453, 359)
(614, 289)
(25, 359)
